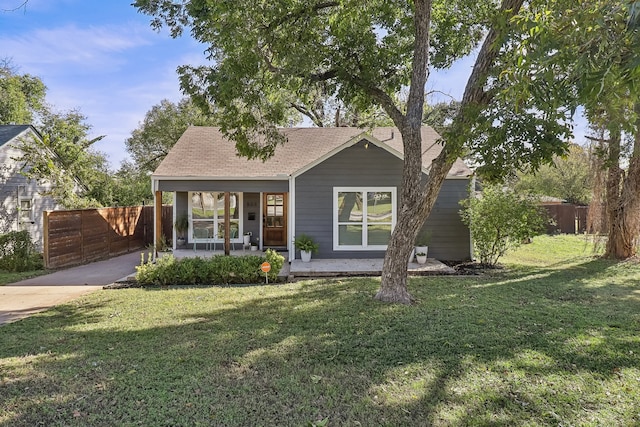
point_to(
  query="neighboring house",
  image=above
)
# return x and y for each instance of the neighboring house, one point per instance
(341, 186)
(22, 199)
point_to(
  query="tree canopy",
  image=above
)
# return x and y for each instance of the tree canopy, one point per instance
(269, 57)
(21, 95)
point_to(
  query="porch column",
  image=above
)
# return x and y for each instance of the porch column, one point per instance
(158, 221)
(227, 223)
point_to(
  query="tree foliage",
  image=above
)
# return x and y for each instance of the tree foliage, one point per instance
(597, 46)
(79, 175)
(501, 219)
(161, 128)
(569, 177)
(21, 95)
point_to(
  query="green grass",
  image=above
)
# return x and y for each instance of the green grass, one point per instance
(8, 277)
(553, 339)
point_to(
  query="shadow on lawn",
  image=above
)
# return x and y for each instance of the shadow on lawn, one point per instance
(469, 352)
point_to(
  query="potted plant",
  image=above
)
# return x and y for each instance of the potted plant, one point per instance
(182, 226)
(421, 257)
(422, 242)
(306, 245)
(246, 239)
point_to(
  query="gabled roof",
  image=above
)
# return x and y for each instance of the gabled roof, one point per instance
(9, 132)
(204, 153)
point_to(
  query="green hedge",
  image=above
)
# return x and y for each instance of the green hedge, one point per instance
(18, 253)
(217, 270)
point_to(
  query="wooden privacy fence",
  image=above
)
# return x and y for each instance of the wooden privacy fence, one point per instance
(568, 219)
(75, 237)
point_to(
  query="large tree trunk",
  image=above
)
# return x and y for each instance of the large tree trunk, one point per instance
(416, 200)
(623, 199)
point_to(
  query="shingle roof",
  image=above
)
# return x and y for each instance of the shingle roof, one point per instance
(203, 152)
(8, 132)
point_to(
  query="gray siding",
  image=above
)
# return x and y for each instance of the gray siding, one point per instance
(10, 182)
(358, 166)
(275, 186)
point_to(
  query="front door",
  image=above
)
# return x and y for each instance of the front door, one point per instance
(275, 219)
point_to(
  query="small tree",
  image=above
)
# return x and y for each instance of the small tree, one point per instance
(500, 220)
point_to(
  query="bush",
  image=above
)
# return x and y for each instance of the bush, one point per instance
(18, 253)
(218, 270)
(500, 220)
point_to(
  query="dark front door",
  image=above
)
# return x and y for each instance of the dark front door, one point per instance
(275, 219)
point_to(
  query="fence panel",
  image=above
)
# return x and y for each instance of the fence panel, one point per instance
(568, 219)
(80, 236)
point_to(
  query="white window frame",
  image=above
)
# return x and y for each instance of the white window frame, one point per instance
(364, 190)
(215, 220)
(20, 210)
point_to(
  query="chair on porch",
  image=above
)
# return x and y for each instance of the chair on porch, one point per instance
(233, 235)
(201, 235)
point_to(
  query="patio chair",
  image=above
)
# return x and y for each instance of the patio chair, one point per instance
(201, 235)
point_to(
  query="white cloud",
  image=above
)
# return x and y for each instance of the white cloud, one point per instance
(70, 46)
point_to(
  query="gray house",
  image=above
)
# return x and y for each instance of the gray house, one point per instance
(338, 185)
(22, 199)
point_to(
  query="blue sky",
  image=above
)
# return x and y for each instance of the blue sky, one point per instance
(102, 57)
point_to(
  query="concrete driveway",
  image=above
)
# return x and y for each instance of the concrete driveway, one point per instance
(20, 299)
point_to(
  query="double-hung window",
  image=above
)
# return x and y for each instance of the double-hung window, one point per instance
(363, 218)
(208, 212)
(26, 210)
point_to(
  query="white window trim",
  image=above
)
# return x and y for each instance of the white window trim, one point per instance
(215, 220)
(394, 212)
(31, 213)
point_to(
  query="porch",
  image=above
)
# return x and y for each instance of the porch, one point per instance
(329, 267)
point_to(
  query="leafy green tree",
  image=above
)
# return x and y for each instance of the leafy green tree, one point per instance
(569, 177)
(132, 187)
(20, 95)
(162, 127)
(595, 47)
(500, 219)
(79, 175)
(267, 56)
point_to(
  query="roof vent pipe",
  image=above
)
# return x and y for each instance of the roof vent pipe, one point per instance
(391, 134)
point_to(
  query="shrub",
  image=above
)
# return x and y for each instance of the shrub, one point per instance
(500, 220)
(18, 253)
(218, 270)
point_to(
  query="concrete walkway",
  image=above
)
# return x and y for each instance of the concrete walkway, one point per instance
(21, 299)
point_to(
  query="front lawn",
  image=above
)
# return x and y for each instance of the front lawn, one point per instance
(553, 339)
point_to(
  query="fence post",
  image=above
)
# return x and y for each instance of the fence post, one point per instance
(45, 239)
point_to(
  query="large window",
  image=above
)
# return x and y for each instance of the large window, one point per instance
(363, 217)
(207, 215)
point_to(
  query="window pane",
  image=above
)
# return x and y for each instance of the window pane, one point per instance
(350, 235)
(349, 207)
(378, 234)
(25, 210)
(234, 227)
(220, 205)
(202, 205)
(379, 207)
(234, 201)
(202, 229)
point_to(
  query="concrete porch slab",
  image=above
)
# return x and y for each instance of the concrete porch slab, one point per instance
(361, 267)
